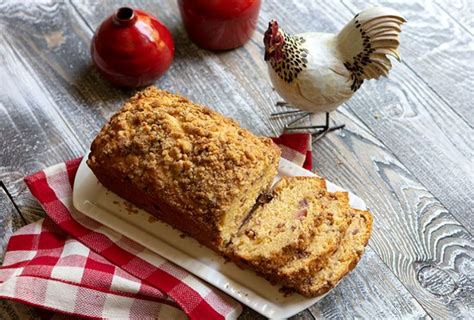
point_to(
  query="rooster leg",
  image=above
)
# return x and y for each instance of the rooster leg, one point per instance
(323, 129)
(282, 104)
(288, 125)
(285, 112)
(291, 109)
(321, 133)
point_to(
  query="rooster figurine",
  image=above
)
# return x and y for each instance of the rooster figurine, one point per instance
(317, 72)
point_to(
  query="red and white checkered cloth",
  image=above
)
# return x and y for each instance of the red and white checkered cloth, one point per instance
(71, 264)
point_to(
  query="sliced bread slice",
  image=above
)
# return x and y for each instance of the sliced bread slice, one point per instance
(327, 238)
(344, 259)
(276, 230)
(279, 231)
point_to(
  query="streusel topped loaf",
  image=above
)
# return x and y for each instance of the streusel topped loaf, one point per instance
(201, 173)
(187, 164)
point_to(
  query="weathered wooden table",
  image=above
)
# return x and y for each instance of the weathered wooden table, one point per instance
(407, 148)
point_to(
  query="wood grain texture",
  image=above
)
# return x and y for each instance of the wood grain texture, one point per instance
(393, 296)
(45, 112)
(461, 11)
(413, 233)
(249, 314)
(17, 311)
(55, 103)
(9, 221)
(417, 120)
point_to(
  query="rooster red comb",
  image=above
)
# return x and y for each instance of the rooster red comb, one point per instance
(273, 26)
(271, 31)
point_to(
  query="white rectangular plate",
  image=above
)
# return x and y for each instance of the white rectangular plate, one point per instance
(95, 201)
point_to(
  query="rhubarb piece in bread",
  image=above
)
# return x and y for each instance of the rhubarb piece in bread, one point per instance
(188, 165)
(280, 231)
(343, 260)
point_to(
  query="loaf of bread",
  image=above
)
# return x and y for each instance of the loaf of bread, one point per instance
(204, 175)
(184, 163)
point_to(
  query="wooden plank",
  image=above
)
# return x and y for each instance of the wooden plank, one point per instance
(15, 310)
(35, 50)
(352, 296)
(9, 221)
(249, 314)
(34, 134)
(416, 237)
(46, 115)
(406, 115)
(461, 11)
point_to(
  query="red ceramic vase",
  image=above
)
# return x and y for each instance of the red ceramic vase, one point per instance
(132, 48)
(219, 24)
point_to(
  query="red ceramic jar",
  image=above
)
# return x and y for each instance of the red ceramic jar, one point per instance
(132, 48)
(219, 24)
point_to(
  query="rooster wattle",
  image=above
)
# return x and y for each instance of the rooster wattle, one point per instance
(317, 72)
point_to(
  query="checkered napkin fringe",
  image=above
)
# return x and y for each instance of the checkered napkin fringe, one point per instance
(85, 269)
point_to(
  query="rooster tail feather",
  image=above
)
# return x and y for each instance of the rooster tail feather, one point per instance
(368, 39)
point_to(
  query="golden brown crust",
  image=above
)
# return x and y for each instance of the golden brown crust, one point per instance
(184, 156)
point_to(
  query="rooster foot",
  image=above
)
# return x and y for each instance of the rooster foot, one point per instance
(291, 110)
(322, 129)
(282, 104)
(280, 113)
(321, 133)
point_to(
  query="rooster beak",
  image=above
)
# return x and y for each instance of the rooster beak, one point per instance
(267, 56)
(268, 52)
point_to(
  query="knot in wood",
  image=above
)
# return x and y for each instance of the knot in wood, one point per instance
(436, 280)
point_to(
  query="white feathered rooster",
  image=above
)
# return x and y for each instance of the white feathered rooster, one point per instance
(317, 72)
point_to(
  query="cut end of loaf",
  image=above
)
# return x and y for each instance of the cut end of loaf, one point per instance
(326, 240)
(243, 206)
(281, 228)
(305, 238)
